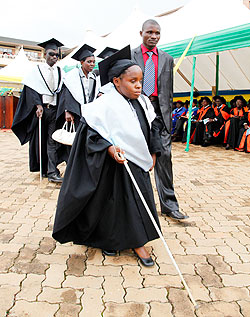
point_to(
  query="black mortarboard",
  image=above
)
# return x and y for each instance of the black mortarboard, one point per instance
(106, 65)
(83, 52)
(52, 44)
(108, 51)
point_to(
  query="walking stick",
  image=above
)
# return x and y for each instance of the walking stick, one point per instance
(40, 147)
(158, 230)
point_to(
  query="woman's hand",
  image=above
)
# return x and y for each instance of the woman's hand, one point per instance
(154, 161)
(114, 151)
(69, 117)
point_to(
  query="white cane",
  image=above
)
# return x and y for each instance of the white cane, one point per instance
(40, 147)
(158, 230)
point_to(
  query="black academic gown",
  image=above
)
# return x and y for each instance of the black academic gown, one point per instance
(98, 205)
(25, 127)
(204, 132)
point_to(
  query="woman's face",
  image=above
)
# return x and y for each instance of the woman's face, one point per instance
(129, 84)
(204, 103)
(89, 64)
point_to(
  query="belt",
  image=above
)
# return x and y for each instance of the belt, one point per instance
(153, 98)
(48, 105)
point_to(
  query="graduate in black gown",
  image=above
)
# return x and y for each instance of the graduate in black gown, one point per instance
(80, 87)
(222, 114)
(39, 98)
(244, 133)
(203, 133)
(233, 125)
(98, 205)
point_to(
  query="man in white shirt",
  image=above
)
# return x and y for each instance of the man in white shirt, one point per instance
(39, 100)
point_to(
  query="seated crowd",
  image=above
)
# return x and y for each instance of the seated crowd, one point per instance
(214, 122)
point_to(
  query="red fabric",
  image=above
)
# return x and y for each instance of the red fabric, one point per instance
(155, 60)
(236, 112)
(227, 126)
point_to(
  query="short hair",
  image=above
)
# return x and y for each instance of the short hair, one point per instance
(207, 100)
(150, 21)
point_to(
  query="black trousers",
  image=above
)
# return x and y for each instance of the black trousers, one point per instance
(49, 123)
(163, 172)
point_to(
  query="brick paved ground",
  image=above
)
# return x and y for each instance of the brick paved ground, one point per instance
(39, 277)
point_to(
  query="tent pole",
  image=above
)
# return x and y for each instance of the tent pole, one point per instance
(217, 72)
(190, 105)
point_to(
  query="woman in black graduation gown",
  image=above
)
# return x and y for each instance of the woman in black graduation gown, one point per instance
(98, 205)
(232, 126)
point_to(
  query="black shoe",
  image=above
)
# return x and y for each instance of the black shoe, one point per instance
(145, 261)
(109, 252)
(45, 175)
(175, 215)
(55, 178)
(227, 147)
(206, 143)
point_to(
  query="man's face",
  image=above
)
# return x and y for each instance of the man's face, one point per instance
(51, 57)
(150, 35)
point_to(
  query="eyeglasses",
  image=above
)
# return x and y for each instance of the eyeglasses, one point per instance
(53, 54)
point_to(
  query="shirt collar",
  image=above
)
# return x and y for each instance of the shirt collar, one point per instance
(145, 50)
(90, 75)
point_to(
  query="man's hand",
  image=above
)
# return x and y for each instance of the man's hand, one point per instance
(69, 117)
(39, 111)
(114, 151)
(154, 161)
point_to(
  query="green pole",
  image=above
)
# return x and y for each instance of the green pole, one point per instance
(190, 105)
(217, 72)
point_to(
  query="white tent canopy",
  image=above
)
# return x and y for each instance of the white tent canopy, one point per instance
(202, 17)
(128, 32)
(17, 68)
(199, 17)
(90, 38)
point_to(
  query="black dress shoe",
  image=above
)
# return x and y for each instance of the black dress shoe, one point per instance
(145, 261)
(176, 215)
(55, 178)
(109, 252)
(45, 175)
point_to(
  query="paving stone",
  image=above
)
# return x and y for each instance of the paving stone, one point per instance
(126, 310)
(68, 310)
(60, 295)
(229, 294)
(95, 256)
(245, 307)
(132, 276)
(47, 245)
(219, 265)
(162, 281)
(218, 309)
(12, 279)
(238, 280)
(120, 260)
(7, 294)
(160, 309)
(55, 275)
(92, 303)
(30, 309)
(182, 306)
(76, 264)
(31, 287)
(241, 267)
(209, 278)
(7, 260)
(146, 295)
(113, 290)
(107, 270)
(83, 282)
